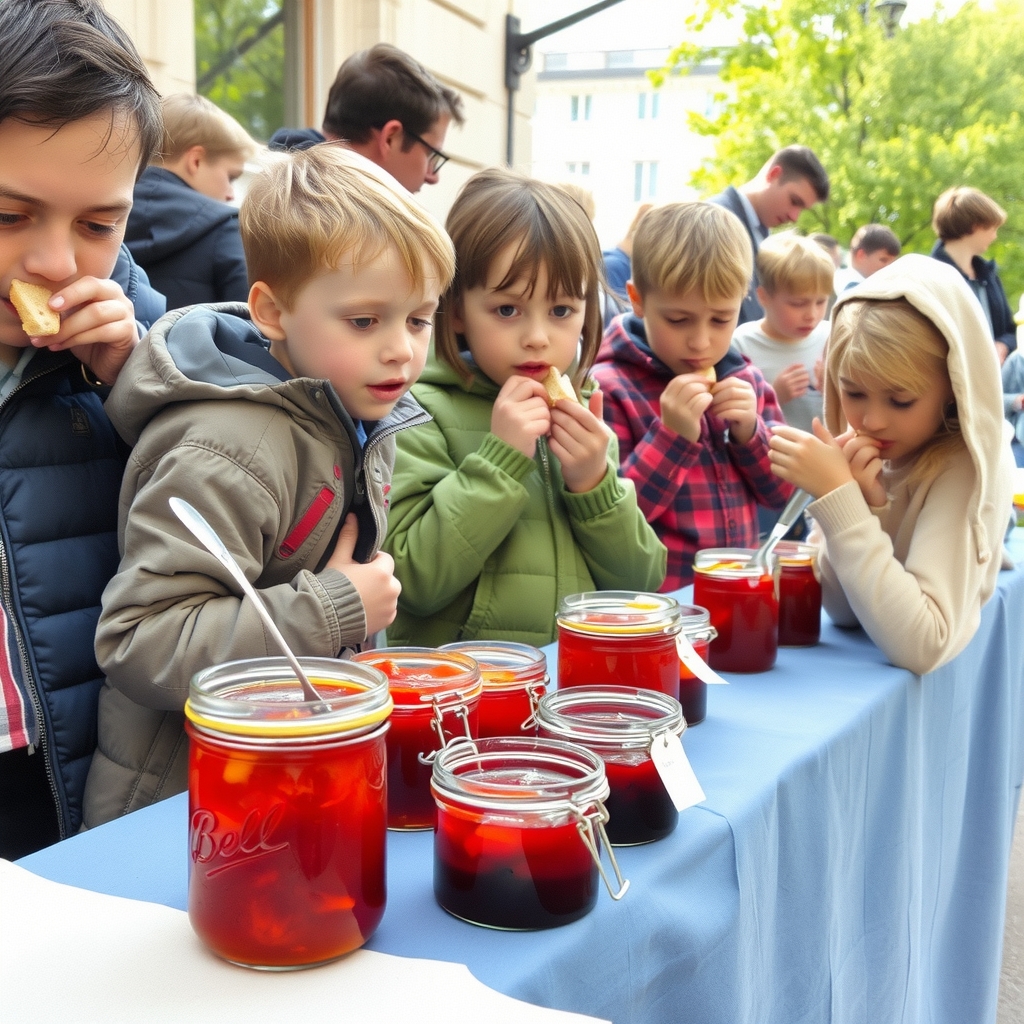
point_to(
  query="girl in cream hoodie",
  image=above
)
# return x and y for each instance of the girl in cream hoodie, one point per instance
(912, 476)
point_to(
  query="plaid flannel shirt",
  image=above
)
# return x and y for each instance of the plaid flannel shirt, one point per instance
(695, 495)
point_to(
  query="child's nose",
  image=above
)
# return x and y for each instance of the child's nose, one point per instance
(536, 335)
(399, 348)
(52, 257)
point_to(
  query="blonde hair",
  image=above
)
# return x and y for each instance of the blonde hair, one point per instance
(498, 208)
(888, 344)
(962, 209)
(194, 121)
(791, 263)
(308, 211)
(683, 246)
(582, 195)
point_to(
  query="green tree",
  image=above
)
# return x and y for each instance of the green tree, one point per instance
(240, 60)
(895, 121)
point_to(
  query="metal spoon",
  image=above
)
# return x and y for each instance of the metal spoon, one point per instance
(206, 535)
(796, 504)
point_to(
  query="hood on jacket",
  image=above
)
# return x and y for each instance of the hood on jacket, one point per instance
(287, 139)
(939, 291)
(626, 342)
(168, 215)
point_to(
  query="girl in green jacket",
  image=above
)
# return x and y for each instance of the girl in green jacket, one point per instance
(507, 501)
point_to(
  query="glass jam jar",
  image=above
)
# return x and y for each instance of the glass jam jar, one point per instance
(514, 678)
(437, 698)
(744, 606)
(693, 692)
(619, 724)
(520, 828)
(619, 638)
(287, 810)
(799, 594)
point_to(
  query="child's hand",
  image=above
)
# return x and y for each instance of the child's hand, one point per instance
(792, 382)
(521, 414)
(374, 581)
(100, 326)
(735, 401)
(864, 459)
(579, 440)
(683, 402)
(815, 462)
(819, 373)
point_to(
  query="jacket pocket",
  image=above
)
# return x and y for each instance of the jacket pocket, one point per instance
(308, 523)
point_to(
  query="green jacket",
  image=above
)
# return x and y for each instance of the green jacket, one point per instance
(486, 541)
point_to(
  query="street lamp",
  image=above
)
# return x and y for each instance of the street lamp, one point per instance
(890, 12)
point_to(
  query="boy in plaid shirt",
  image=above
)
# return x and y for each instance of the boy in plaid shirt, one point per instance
(692, 416)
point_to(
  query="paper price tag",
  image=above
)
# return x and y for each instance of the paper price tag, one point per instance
(695, 663)
(676, 771)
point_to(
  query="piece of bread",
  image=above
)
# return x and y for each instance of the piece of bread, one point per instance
(30, 300)
(558, 386)
(708, 373)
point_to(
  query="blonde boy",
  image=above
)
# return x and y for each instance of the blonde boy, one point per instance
(788, 343)
(277, 422)
(181, 227)
(692, 417)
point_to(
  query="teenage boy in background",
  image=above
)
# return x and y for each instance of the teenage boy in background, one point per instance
(79, 119)
(872, 247)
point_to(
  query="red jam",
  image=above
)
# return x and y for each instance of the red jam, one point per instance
(799, 596)
(693, 692)
(514, 677)
(616, 638)
(639, 807)
(421, 680)
(287, 841)
(744, 610)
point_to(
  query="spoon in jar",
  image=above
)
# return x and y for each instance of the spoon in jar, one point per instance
(796, 504)
(205, 534)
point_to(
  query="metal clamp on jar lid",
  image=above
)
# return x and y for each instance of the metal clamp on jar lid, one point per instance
(619, 613)
(621, 717)
(260, 698)
(508, 809)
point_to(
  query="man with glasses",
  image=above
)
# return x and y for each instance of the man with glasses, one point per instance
(388, 107)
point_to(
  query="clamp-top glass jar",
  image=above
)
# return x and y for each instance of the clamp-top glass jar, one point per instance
(520, 828)
(287, 810)
(799, 594)
(514, 678)
(620, 724)
(744, 604)
(693, 692)
(437, 699)
(619, 638)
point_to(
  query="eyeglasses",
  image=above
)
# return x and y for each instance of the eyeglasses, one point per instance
(437, 158)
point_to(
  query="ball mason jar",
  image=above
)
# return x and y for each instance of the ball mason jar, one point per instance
(693, 692)
(799, 594)
(743, 601)
(287, 810)
(514, 677)
(437, 698)
(619, 638)
(620, 724)
(520, 830)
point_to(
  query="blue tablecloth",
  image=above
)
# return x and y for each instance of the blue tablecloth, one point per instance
(849, 864)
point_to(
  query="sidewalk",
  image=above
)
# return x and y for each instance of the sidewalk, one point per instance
(1011, 984)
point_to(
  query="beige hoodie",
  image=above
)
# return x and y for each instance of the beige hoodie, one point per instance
(915, 573)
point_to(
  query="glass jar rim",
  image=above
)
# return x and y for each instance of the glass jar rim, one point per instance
(729, 563)
(261, 697)
(795, 552)
(418, 693)
(509, 774)
(504, 664)
(619, 613)
(610, 716)
(694, 619)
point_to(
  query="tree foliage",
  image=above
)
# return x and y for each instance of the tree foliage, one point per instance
(895, 121)
(251, 86)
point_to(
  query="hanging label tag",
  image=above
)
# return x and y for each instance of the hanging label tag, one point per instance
(676, 771)
(695, 663)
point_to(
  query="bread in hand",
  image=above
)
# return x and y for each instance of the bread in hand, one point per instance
(708, 373)
(558, 386)
(30, 300)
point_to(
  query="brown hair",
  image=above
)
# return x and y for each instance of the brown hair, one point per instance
(962, 209)
(310, 209)
(872, 237)
(191, 120)
(498, 208)
(682, 246)
(788, 262)
(800, 162)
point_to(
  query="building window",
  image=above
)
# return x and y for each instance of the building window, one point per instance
(556, 61)
(574, 108)
(582, 168)
(654, 103)
(586, 108)
(641, 109)
(645, 180)
(620, 59)
(645, 109)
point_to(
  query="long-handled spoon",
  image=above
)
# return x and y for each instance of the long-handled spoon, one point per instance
(796, 504)
(206, 535)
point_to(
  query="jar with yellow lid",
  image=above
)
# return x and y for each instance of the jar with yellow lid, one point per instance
(287, 810)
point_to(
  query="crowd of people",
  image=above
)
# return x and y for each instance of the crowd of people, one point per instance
(355, 398)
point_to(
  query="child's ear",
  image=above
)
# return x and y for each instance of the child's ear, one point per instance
(456, 319)
(761, 294)
(636, 299)
(266, 311)
(193, 160)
